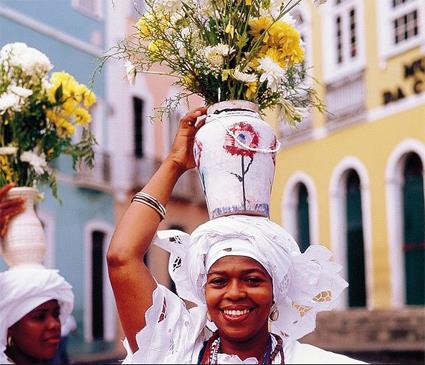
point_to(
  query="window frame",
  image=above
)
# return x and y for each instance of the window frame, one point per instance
(109, 314)
(385, 17)
(329, 12)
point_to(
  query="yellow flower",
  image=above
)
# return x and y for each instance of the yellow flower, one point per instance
(69, 106)
(82, 116)
(52, 116)
(258, 26)
(286, 39)
(230, 29)
(5, 169)
(69, 85)
(225, 74)
(154, 46)
(64, 128)
(150, 21)
(88, 96)
(248, 2)
(188, 81)
(275, 54)
(251, 91)
(143, 26)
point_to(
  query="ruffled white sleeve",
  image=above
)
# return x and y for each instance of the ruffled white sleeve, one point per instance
(173, 334)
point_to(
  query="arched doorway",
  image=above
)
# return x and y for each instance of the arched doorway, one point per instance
(303, 221)
(414, 230)
(99, 303)
(355, 241)
(97, 294)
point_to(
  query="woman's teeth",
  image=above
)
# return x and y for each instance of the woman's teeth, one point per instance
(236, 312)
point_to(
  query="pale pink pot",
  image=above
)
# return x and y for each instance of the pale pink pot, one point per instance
(236, 175)
(25, 241)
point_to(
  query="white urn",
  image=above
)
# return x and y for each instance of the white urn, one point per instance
(24, 242)
(235, 156)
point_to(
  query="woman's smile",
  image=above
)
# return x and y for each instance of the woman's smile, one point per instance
(236, 314)
(239, 295)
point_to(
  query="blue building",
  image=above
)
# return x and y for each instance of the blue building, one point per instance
(72, 33)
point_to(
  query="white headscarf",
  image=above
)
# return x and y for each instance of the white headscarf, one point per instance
(303, 283)
(25, 287)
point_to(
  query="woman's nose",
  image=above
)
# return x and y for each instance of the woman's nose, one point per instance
(236, 290)
(53, 322)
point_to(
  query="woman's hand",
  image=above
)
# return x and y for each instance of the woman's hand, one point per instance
(182, 149)
(8, 208)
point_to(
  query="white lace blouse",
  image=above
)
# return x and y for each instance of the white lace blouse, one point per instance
(175, 335)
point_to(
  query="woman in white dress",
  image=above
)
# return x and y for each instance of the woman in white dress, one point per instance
(254, 293)
(34, 301)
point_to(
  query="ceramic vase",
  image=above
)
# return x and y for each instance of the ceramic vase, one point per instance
(24, 242)
(235, 157)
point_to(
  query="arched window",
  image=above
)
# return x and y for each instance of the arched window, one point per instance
(303, 221)
(355, 242)
(414, 230)
(98, 242)
(99, 312)
(138, 125)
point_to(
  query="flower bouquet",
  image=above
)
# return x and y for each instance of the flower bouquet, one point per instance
(242, 57)
(225, 50)
(39, 119)
(39, 116)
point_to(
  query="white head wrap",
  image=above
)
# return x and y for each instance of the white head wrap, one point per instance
(303, 283)
(25, 287)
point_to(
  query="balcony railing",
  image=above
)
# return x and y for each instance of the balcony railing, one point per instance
(294, 134)
(99, 177)
(144, 168)
(188, 187)
(346, 100)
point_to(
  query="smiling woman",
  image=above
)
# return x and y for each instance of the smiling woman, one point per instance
(254, 293)
(34, 302)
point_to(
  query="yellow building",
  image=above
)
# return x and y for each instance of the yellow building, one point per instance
(353, 178)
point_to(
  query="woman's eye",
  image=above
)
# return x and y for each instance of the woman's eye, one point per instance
(253, 280)
(40, 317)
(217, 281)
(56, 314)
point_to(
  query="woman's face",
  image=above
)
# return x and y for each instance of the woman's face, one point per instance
(37, 334)
(239, 296)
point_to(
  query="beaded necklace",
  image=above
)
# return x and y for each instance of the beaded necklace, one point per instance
(209, 354)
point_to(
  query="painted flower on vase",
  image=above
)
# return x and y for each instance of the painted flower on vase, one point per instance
(273, 147)
(246, 135)
(197, 152)
(242, 142)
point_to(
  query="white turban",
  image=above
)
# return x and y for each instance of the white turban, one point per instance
(303, 283)
(25, 287)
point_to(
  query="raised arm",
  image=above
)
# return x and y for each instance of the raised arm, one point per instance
(131, 280)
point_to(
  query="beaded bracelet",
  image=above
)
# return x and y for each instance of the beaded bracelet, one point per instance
(147, 199)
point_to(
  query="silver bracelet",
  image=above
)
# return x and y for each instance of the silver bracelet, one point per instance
(149, 200)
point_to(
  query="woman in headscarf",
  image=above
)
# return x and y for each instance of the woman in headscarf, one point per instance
(255, 294)
(34, 302)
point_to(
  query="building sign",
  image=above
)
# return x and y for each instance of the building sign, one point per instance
(414, 74)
